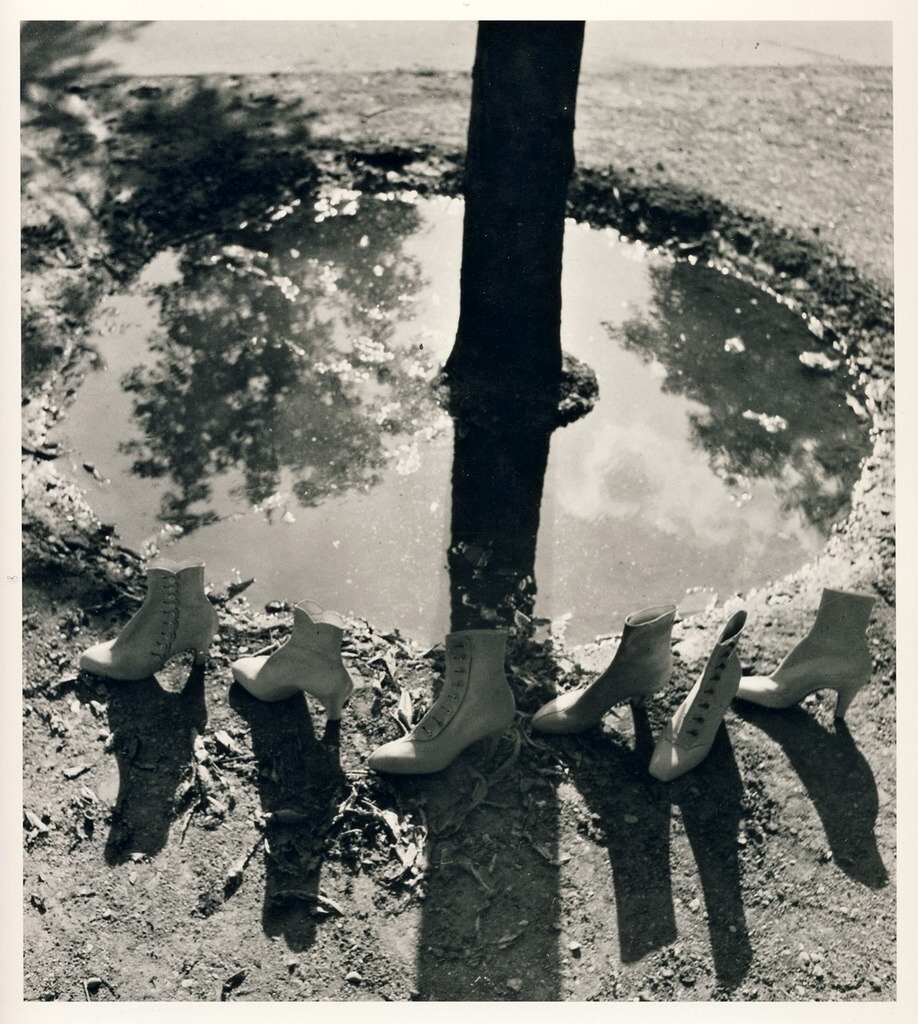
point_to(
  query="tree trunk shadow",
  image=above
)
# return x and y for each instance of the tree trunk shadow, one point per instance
(489, 927)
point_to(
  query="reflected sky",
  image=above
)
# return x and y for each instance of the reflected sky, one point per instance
(261, 399)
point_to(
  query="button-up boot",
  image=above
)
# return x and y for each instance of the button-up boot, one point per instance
(476, 701)
(175, 616)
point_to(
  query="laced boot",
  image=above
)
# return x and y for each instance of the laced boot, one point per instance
(689, 734)
(832, 656)
(309, 662)
(641, 666)
(476, 701)
(174, 617)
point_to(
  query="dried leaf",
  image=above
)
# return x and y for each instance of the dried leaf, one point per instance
(405, 711)
(409, 855)
(233, 981)
(36, 822)
(506, 940)
(391, 819)
(329, 904)
(226, 741)
(287, 816)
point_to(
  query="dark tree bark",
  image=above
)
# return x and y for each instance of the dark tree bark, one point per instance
(518, 165)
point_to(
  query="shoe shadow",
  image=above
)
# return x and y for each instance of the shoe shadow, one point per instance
(838, 780)
(634, 823)
(710, 801)
(153, 732)
(489, 929)
(300, 784)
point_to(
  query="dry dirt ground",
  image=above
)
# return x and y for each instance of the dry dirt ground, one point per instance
(183, 842)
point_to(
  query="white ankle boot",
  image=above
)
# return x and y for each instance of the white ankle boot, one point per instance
(641, 666)
(309, 662)
(174, 617)
(476, 701)
(832, 656)
(689, 735)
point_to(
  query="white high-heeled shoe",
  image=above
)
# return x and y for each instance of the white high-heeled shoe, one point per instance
(476, 701)
(309, 662)
(689, 734)
(175, 617)
(832, 656)
(641, 666)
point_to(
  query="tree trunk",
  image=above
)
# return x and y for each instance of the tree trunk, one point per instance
(519, 162)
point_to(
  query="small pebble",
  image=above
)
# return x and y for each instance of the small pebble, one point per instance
(515, 984)
(353, 977)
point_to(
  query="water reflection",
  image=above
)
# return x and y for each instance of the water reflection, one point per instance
(285, 368)
(738, 356)
(273, 358)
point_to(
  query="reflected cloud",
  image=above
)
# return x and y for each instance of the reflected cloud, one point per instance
(761, 412)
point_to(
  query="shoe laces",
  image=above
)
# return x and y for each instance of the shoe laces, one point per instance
(454, 687)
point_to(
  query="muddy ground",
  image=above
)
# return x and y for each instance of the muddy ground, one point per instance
(183, 842)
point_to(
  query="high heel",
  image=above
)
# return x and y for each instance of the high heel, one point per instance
(641, 666)
(175, 616)
(309, 662)
(476, 702)
(832, 656)
(689, 734)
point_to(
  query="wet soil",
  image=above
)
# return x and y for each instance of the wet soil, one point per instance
(182, 842)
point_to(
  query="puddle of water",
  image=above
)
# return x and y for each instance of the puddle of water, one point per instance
(262, 400)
